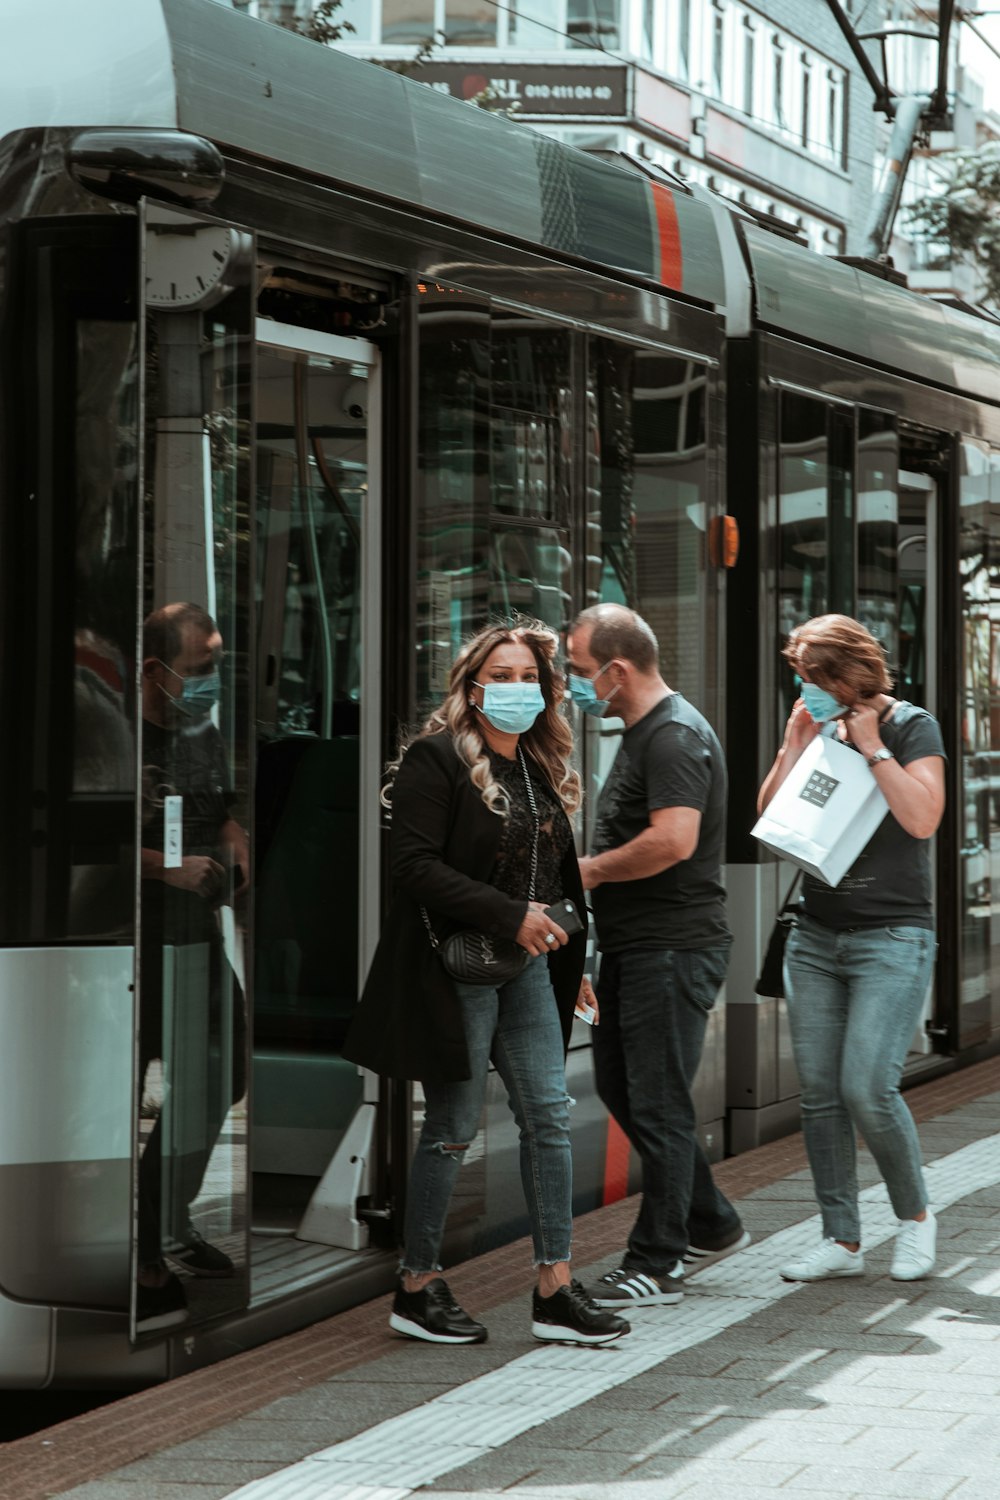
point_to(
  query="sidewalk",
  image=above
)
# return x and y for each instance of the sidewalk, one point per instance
(750, 1387)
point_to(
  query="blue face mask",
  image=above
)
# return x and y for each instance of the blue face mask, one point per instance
(584, 694)
(199, 695)
(511, 707)
(820, 705)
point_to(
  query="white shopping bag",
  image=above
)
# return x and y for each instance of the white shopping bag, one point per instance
(825, 811)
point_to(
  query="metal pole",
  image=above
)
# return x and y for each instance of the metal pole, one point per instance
(883, 94)
(909, 113)
(939, 98)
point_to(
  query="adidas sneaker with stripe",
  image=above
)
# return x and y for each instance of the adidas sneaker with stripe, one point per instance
(628, 1288)
(697, 1257)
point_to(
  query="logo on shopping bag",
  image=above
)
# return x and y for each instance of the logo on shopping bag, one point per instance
(819, 788)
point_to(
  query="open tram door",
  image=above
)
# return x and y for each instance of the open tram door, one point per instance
(190, 1260)
(318, 760)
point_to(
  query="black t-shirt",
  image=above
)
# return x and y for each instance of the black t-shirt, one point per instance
(670, 758)
(190, 762)
(889, 884)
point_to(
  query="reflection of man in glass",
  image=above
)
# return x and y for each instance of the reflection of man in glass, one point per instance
(182, 963)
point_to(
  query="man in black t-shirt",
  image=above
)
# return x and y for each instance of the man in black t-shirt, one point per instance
(659, 905)
(184, 759)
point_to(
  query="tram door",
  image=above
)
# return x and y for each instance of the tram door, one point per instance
(190, 1259)
(317, 779)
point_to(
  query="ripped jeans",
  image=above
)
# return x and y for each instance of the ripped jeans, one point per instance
(517, 1028)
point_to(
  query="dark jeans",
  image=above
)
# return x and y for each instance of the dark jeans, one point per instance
(517, 1028)
(654, 1012)
(200, 1092)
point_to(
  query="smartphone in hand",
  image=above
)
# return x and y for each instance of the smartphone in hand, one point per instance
(566, 916)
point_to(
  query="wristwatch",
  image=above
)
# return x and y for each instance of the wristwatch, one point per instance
(882, 754)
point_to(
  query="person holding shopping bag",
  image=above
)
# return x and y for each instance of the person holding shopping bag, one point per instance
(859, 960)
(475, 965)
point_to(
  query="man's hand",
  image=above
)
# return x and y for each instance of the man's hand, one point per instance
(197, 873)
(588, 874)
(586, 998)
(234, 840)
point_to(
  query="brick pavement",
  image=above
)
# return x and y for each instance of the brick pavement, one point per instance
(895, 1378)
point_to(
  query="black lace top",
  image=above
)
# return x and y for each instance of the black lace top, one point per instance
(512, 871)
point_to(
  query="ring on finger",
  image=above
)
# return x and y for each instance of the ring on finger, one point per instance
(550, 937)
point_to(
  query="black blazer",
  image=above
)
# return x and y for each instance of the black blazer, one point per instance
(444, 846)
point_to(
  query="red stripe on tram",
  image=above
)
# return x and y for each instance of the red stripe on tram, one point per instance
(615, 1164)
(668, 235)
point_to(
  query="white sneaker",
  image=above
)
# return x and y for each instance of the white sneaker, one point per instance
(916, 1244)
(828, 1260)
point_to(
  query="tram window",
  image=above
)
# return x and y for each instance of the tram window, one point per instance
(452, 517)
(100, 900)
(815, 511)
(878, 528)
(647, 497)
(979, 828)
(495, 474)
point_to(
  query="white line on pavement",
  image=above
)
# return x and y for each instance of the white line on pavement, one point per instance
(398, 1456)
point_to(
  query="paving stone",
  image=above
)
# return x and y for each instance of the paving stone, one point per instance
(158, 1489)
(835, 1480)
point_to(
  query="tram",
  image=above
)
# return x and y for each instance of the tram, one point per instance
(350, 366)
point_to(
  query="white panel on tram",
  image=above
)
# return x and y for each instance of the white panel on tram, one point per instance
(66, 1029)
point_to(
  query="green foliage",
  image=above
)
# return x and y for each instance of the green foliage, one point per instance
(321, 26)
(966, 216)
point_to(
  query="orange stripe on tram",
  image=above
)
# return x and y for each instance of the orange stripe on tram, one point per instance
(615, 1164)
(669, 237)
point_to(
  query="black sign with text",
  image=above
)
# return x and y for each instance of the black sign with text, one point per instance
(534, 89)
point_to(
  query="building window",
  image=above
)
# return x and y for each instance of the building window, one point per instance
(806, 98)
(647, 29)
(592, 23)
(718, 47)
(684, 38)
(834, 113)
(535, 25)
(405, 22)
(778, 83)
(470, 23)
(749, 63)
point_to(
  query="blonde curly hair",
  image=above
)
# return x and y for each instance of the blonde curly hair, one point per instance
(548, 742)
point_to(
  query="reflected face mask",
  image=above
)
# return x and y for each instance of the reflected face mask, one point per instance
(511, 707)
(199, 695)
(820, 705)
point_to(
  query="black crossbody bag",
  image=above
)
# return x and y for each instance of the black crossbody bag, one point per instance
(477, 957)
(770, 980)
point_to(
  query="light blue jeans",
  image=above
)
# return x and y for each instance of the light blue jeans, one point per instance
(517, 1028)
(854, 1000)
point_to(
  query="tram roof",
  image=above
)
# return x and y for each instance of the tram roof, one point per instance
(257, 89)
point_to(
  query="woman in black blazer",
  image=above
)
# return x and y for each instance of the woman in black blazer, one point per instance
(479, 802)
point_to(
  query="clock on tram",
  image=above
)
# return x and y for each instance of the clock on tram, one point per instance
(185, 267)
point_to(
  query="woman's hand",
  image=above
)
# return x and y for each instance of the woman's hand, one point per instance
(800, 729)
(587, 999)
(862, 729)
(538, 933)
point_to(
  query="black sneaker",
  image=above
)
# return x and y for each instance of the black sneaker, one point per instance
(433, 1314)
(160, 1306)
(197, 1256)
(570, 1316)
(697, 1257)
(625, 1287)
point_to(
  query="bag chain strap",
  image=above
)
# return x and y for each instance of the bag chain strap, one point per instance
(534, 846)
